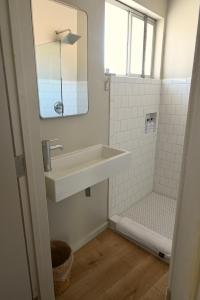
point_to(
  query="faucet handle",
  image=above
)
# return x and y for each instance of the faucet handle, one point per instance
(53, 140)
(54, 147)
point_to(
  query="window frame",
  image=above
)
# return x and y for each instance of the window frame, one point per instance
(147, 20)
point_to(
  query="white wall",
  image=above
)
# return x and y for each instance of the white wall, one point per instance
(157, 6)
(171, 134)
(131, 100)
(75, 218)
(181, 30)
(49, 17)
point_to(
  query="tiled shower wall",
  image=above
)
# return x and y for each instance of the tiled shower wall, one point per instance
(156, 160)
(171, 133)
(130, 100)
(75, 96)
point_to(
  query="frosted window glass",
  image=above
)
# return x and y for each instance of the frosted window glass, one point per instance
(137, 40)
(149, 49)
(116, 34)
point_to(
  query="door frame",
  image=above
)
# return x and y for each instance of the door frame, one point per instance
(17, 35)
(19, 63)
(185, 263)
(15, 265)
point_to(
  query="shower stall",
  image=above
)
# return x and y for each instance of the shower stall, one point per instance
(148, 117)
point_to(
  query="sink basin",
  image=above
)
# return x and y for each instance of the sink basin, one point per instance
(74, 172)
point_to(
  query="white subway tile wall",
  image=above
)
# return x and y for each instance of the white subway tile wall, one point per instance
(49, 93)
(130, 100)
(171, 133)
(156, 162)
(74, 96)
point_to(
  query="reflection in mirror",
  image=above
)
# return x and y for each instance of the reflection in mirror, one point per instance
(49, 78)
(61, 57)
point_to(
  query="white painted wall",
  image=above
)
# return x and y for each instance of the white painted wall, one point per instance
(181, 31)
(47, 18)
(157, 6)
(75, 218)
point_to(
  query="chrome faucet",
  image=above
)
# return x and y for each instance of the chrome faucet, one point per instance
(46, 151)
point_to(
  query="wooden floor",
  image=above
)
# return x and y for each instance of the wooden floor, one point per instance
(112, 268)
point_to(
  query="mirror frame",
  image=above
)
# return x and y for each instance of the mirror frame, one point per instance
(88, 89)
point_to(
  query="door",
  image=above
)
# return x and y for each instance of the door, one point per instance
(14, 271)
(21, 84)
(185, 264)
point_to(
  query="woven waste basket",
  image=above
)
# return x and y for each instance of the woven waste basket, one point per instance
(62, 260)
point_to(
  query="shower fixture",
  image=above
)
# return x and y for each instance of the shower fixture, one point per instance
(67, 37)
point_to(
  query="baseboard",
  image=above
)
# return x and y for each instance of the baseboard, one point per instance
(89, 237)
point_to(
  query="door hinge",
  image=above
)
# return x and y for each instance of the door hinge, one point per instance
(107, 84)
(168, 294)
(20, 165)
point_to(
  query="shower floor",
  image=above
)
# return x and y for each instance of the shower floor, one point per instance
(150, 222)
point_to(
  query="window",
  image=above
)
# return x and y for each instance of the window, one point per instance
(116, 39)
(129, 41)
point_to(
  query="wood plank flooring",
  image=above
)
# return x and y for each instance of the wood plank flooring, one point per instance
(112, 268)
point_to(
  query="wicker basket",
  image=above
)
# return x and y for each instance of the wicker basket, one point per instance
(62, 260)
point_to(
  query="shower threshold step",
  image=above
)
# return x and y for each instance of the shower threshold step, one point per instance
(150, 223)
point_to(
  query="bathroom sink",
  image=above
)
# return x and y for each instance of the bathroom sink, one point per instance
(74, 172)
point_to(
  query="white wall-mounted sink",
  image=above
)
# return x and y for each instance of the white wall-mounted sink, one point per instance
(74, 172)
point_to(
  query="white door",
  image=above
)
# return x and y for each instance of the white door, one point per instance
(185, 264)
(14, 280)
(21, 83)
(14, 271)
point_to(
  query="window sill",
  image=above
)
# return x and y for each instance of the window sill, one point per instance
(130, 76)
(132, 79)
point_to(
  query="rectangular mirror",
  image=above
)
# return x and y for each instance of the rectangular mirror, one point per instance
(60, 33)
